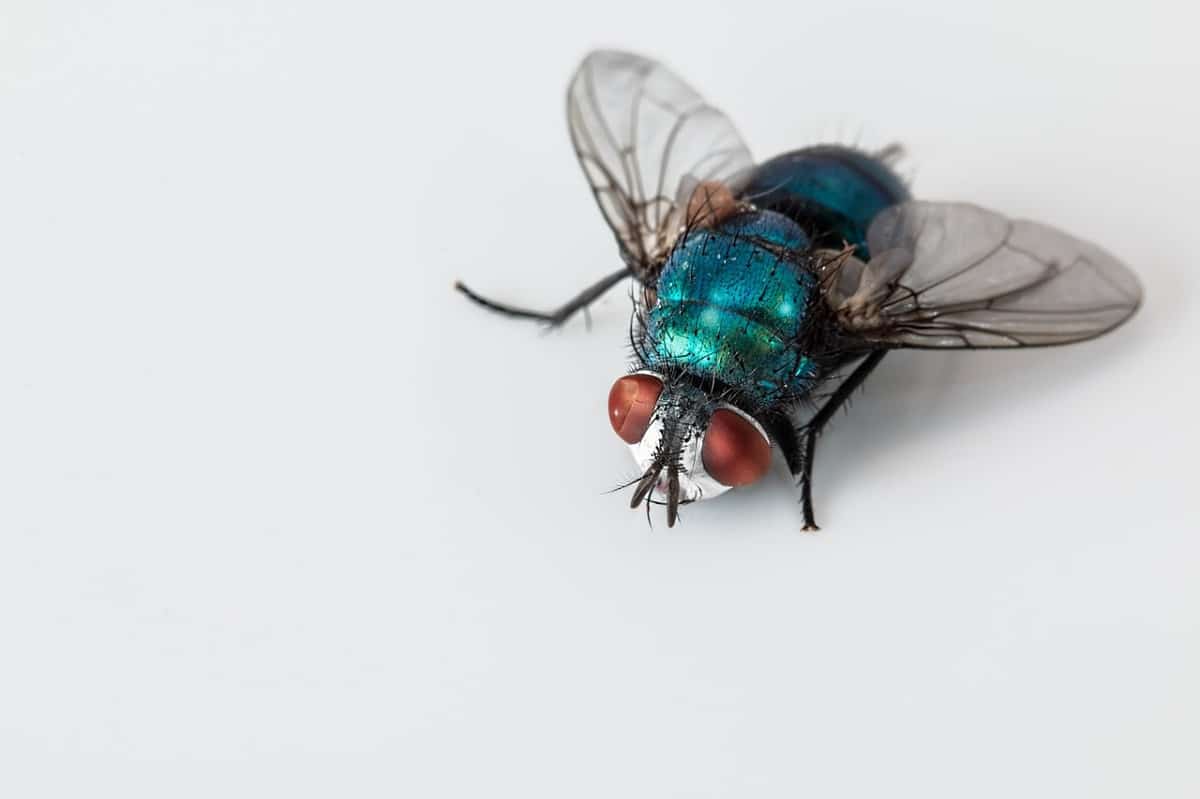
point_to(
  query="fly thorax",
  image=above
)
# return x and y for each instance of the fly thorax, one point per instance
(731, 303)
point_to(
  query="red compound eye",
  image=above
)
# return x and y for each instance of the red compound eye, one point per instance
(735, 452)
(631, 404)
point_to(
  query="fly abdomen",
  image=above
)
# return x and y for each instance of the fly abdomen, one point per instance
(832, 191)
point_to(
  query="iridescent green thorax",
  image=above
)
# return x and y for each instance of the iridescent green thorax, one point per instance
(731, 304)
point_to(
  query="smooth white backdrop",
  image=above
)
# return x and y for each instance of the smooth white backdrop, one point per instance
(280, 514)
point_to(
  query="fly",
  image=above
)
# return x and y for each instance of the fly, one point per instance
(758, 286)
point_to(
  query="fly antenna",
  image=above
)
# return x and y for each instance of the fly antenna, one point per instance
(672, 494)
(646, 485)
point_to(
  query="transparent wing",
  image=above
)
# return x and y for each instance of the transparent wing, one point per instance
(955, 275)
(643, 137)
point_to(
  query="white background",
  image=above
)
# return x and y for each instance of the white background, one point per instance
(281, 515)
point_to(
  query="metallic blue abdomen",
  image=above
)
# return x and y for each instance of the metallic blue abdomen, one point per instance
(833, 192)
(730, 304)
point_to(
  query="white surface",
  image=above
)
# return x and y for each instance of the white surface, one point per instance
(280, 515)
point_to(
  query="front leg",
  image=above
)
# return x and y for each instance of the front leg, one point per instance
(799, 446)
(553, 318)
(796, 445)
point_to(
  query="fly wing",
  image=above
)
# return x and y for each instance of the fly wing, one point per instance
(956, 275)
(644, 138)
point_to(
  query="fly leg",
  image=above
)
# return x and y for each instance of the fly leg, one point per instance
(553, 318)
(802, 455)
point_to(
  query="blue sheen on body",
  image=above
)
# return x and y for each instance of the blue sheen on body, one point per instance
(833, 191)
(730, 306)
